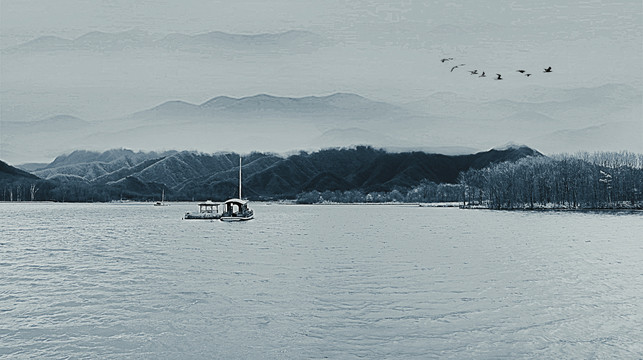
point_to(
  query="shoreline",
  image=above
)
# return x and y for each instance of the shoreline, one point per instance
(634, 209)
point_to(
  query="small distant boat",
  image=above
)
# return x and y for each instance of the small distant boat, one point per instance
(208, 210)
(162, 202)
(237, 209)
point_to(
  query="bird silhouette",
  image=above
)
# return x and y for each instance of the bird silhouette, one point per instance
(446, 59)
(457, 66)
(474, 72)
(528, 75)
(547, 69)
(499, 77)
(483, 75)
(521, 71)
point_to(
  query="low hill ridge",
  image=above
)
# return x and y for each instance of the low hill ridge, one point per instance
(187, 175)
(8, 172)
(136, 39)
(318, 105)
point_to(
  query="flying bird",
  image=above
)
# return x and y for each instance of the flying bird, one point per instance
(499, 77)
(521, 71)
(446, 59)
(474, 72)
(548, 69)
(527, 75)
(457, 66)
(483, 75)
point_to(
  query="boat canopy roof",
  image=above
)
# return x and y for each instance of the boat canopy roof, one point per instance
(208, 203)
(236, 201)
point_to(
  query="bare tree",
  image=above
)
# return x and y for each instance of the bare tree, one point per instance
(32, 191)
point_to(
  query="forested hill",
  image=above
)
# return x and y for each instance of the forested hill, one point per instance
(367, 170)
(10, 173)
(85, 176)
(23, 182)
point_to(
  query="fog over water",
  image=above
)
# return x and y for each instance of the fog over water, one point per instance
(347, 281)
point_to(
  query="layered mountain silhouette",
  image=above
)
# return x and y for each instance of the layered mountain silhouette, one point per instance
(55, 123)
(291, 40)
(217, 39)
(337, 104)
(85, 176)
(605, 118)
(255, 123)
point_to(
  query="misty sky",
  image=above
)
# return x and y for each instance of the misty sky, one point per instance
(385, 51)
(24, 19)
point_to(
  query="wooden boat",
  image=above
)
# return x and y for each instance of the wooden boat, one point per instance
(208, 210)
(237, 209)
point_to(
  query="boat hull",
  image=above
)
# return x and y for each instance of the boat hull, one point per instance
(236, 218)
(201, 216)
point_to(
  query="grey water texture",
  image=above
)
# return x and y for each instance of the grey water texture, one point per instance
(135, 281)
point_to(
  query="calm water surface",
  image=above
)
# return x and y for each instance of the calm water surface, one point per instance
(114, 281)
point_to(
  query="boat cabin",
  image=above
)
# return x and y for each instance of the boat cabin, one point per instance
(208, 210)
(234, 207)
(209, 207)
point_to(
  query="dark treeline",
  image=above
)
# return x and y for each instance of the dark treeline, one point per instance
(74, 191)
(425, 192)
(582, 181)
(184, 176)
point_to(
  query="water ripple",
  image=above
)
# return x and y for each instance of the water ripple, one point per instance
(135, 281)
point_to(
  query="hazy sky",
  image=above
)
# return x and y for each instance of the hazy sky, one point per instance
(383, 50)
(30, 18)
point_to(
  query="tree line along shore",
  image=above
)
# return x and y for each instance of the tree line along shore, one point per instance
(600, 180)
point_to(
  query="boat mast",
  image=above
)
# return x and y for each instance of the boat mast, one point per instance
(239, 177)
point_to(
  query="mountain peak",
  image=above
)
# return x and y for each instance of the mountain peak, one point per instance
(335, 99)
(217, 102)
(176, 107)
(49, 42)
(518, 149)
(331, 106)
(509, 146)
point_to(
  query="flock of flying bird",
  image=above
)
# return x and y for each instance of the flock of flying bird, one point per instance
(498, 76)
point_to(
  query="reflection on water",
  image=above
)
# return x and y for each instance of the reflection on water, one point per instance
(362, 281)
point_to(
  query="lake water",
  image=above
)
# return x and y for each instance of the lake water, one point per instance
(114, 281)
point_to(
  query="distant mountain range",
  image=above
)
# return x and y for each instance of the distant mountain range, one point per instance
(292, 40)
(54, 124)
(578, 106)
(86, 176)
(264, 105)
(254, 123)
(605, 118)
